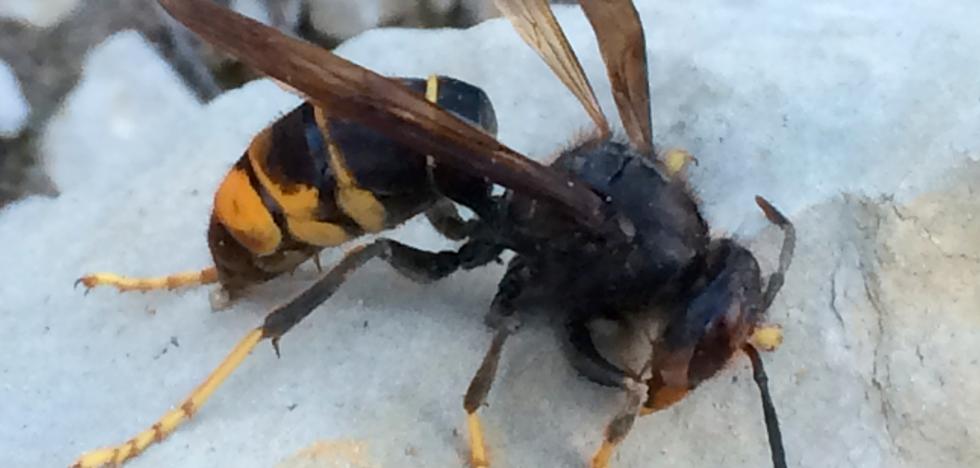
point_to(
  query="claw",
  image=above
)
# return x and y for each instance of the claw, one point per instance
(275, 346)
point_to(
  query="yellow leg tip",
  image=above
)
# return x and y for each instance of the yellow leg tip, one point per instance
(101, 279)
(126, 283)
(767, 337)
(478, 452)
(601, 458)
(171, 420)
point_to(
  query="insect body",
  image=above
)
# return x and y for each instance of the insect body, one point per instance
(609, 230)
(309, 181)
(656, 259)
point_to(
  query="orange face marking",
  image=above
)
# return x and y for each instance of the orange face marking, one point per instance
(240, 209)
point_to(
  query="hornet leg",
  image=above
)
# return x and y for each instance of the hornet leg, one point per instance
(621, 424)
(126, 283)
(416, 264)
(445, 218)
(504, 322)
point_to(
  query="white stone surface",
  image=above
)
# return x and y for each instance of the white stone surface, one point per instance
(255, 9)
(859, 122)
(258, 10)
(40, 13)
(346, 18)
(14, 108)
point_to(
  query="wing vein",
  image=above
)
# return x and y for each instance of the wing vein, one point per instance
(536, 24)
(349, 91)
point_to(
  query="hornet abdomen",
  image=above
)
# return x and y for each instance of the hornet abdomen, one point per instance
(310, 181)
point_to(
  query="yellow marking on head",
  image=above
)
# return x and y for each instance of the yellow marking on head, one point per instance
(321, 234)
(240, 209)
(432, 89)
(360, 204)
(478, 451)
(126, 283)
(767, 337)
(676, 160)
(177, 416)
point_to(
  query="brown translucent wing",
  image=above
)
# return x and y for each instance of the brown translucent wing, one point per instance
(535, 22)
(348, 91)
(620, 33)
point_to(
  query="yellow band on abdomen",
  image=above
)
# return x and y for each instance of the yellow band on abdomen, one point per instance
(240, 209)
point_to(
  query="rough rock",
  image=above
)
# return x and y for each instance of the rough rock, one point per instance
(880, 313)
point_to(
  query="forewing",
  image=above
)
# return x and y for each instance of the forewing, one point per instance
(348, 91)
(535, 22)
(620, 33)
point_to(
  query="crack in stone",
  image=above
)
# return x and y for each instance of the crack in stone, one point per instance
(880, 377)
(905, 217)
(833, 294)
(869, 263)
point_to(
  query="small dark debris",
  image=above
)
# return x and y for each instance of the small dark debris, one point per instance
(365, 324)
(292, 406)
(173, 342)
